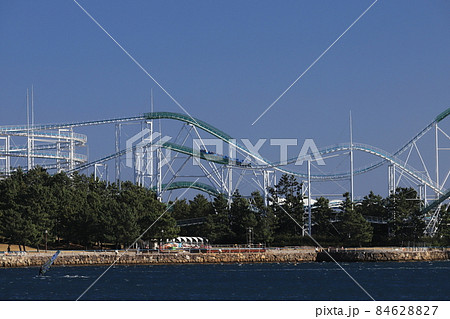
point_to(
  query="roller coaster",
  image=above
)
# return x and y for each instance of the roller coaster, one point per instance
(57, 147)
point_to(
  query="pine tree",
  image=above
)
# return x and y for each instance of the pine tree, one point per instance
(265, 228)
(405, 220)
(218, 222)
(323, 217)
(355, 230)
(444, 226)
(374, 207)
(287, 204)
(241, 218)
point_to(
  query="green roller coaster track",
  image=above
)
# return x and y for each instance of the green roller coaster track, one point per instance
(436, 203)
(191, 152)
(365, 148)
(442, 116)
(386, 157)
(194, 185)
(227, 138)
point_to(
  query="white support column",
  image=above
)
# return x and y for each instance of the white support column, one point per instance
(351, 161)
(267, 183)
(117, 160)
(148, 154)
(309, 198)
(425, 192)
(136, 165)
(98, 172)
(71, 151)
(437, 156)
(423, 199)
(230, 185)
(95, 170)
(144, 156)
(159, 177)
(58, 152)
(138, 162)
(63, 138)
(32, 125)
(139, 159)
(6, 158)
(29, 166)
(391, 179)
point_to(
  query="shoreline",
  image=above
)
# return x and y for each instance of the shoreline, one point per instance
(83, 258)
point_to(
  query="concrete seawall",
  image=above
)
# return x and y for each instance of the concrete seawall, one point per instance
(270, 256)
(372, 256)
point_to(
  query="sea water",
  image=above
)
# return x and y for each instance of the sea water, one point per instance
(270, 281)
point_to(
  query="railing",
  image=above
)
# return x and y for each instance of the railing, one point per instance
(191, 221)
(65, 135)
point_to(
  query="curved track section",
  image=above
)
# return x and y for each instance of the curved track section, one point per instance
(340, 147)
(205, 127)
(437, 202)
(76, 137)
(79, 158)
(386, 156)
(373, 166)
(215, 158)
(62, 149)
(194, 185)
(101, 160)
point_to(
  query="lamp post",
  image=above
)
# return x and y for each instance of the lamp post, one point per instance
(162, 241)
(46, 232)
(249, 236)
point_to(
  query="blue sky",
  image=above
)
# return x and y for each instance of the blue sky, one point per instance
(227, 61)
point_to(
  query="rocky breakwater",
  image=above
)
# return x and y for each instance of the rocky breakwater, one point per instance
(398, 254)
(107, 258)
(223, 258)
(269, 256)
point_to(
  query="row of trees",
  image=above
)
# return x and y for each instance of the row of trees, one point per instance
(394, 220)
(77, 209)
(84, 211)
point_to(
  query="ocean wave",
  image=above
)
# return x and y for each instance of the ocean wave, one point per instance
(75, 276)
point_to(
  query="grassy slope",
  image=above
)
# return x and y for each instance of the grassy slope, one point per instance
(4, 247)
